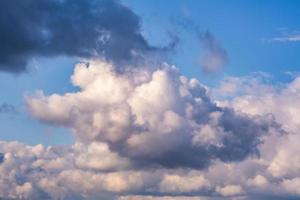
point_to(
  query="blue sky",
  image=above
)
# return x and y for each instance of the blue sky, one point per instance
(245, 29)
(49, 75)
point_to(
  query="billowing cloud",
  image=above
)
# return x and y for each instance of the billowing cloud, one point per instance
(146, 133)
(57, 173)
(80, 28)
(155, 134)
(151, 117)
(259, 97)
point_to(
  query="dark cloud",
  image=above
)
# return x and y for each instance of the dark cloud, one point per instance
(270, 197)
(77, 28)
(242, 137)
(1, 158)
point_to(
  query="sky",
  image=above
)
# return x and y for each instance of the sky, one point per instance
(131, 100)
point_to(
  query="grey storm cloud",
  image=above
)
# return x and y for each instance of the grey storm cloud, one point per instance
(79, 28)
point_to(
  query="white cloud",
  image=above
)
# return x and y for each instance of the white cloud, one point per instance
(154, 134)
(150, 116)
(230, 190)
(256, 96)
(258, 181)
(295, 37)
(175, 183)
(292, 185)
(282, 101)
(161, 198)
(97, 156)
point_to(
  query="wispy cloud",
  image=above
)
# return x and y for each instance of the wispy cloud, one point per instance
(293, 37)
(215, 57)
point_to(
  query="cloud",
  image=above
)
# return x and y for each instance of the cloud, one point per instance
(153, 117)
(295, 37)
(259, 97)
(215, 56)
(85, 29)
(160, 198)
(173, 183)
(292, 185)
(55, 172)
(146, 133)
(1, 157)
(155, 134)
(256, 95)
(230, 190)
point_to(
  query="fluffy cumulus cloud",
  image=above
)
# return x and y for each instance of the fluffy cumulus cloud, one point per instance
(151, 133)
(156, 117)
(76, 28)
(254, 95)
